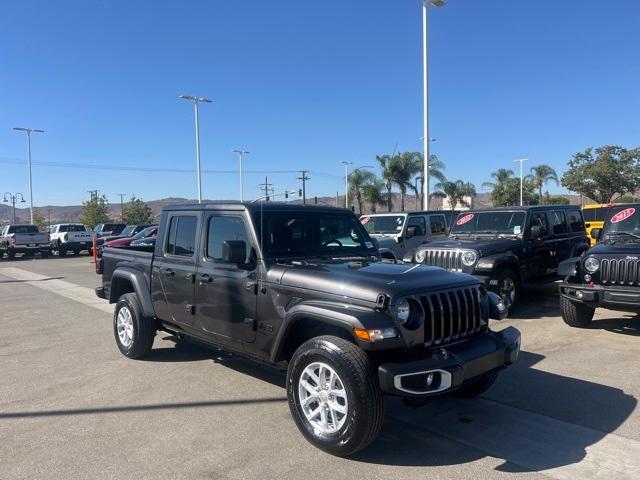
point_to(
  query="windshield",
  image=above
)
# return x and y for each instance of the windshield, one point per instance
(147, 232)
(128, 230)
(311, 233)
(23, 229)
(489, 222)
(391, 224)
(624, 220)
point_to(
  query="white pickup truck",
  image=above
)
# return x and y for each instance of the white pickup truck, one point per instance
(25, 239)
(70, 237)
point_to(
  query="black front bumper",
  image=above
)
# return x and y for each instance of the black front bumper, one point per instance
(612, 297)
(449, 367)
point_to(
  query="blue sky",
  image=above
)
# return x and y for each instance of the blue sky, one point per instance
(304, 85)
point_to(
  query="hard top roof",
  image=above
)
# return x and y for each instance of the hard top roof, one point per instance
(230, 205)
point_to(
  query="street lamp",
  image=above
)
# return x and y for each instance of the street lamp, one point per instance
(346, 182)
(196, 101)
(521, 160)
(425, 93)
(13, 198)
(241, 153)
(29, 131)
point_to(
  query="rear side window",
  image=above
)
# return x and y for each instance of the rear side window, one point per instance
(222, 229)
(420, 223)
(182, 236)
(438, 224)
(576, 225)
(558, 223)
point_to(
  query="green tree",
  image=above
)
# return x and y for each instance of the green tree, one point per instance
(373, 194)
(507, 193)
(627, 199)
(39, 221)
(136, 212)
(605, 173)
(457, 192)
(548, 200)
(357, 181)
(542, 174)
(387, 172)
(499, 177)
(94, 211)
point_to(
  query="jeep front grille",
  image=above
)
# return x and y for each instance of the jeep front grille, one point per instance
(620, 272)
(449, 259)
(451, 314)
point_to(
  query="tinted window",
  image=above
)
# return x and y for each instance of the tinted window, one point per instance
(575, 221)
(23, 229)
(182, 236)
(598, 214)
(383, 223)
(420, 223)
(540, 219)
(489, 222)
(558, 224)
(222, 229)
(438, 224)
(77, 228)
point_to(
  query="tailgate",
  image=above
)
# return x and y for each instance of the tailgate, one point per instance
(31, 239)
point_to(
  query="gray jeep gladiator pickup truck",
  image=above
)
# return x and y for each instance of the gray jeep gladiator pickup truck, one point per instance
(304, 288)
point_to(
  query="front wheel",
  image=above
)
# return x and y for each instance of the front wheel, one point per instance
(508, 288)
(134, 333)
(576, 314)
(334, 395)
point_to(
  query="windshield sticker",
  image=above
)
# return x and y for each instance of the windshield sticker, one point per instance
(368, 244)
(623, 215)
(517, 230)
(465, 219)
(364, 220)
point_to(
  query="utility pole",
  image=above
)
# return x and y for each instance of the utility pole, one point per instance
(241, 153)
(303, 176)
(521, 160)
(266, 187)
(121, 195)
(346, 183)
(196, 102)
(29, 131)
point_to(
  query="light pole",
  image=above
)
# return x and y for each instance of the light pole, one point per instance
(425, 93)
(29, 132)
(241, 153)
(196, 101)
(13, 198)
(346, 183)
(521, 161)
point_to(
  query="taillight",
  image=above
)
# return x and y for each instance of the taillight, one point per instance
(12, 239)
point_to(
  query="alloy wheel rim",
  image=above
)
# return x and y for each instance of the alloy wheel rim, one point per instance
(124, 325)
(508, 291)
(323, 398)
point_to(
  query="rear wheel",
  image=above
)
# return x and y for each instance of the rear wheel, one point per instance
(134, 333)
(76, 251)
(62, 250)
(334, 395)
(576, 314)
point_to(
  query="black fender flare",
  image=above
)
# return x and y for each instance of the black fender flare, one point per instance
(345, 317)
(579, 249)
(140, 287)
(569, 267)
(499, 261)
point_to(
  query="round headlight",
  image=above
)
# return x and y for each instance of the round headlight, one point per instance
(592, 264)
(420, 256)
(469, 258)
(403, 311)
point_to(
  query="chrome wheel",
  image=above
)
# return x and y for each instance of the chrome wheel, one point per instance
(124, 325)
(323, 398)
(508, 292)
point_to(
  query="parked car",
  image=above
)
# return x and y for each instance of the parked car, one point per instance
(399, 234)
(607, 275)
(509, 248)
(70, 237)
(146, 234)
(145, 242)
(127, 232)
(25, 239)
(303, 287)
(107, 229)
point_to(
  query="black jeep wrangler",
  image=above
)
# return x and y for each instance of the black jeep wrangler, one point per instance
(304, 288)
(508, 248)
(607, 275)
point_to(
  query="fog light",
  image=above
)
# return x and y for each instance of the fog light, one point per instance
(587, 278)
(579, 294)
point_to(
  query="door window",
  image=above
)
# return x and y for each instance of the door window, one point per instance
(540, 219)
(558, 223)
(576, 225)
(438, 225)
(222, 229)
(420, 223)
(182, 236)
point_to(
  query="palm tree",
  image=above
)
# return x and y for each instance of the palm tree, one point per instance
(357, 180)
(457, 192)
(373, 193)
(387, 173)
(405, 166)
(436, 167)
(542, 174)
(500, 177)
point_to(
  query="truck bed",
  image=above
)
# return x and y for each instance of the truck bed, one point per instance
(139, 259)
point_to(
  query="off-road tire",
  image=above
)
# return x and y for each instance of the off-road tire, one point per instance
(144, 329)
(76, 251)
(365, 411)
(502, 276)
(477, 386)
(576, 314)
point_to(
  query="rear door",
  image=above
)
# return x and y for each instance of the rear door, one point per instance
(226, 294)
(174, 269)
(559, 243)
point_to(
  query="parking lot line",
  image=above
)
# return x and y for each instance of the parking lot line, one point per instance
(60, 287)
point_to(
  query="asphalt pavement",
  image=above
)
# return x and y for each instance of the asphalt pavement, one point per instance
(71, 406)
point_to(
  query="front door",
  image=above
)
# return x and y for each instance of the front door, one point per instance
(419, 222)
(437, 227)
(539, 248)
(175, 270)
(560, 245)
(226, 294)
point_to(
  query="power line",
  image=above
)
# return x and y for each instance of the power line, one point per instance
(267, 187)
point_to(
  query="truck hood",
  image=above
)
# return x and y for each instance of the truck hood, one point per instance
(619, 248)
(483, 245)
(367, 280)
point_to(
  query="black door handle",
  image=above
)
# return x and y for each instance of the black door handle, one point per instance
(168, 272)
(205, 278)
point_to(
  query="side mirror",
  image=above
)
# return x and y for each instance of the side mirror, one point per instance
(596, 233)
(411, 232)
(234, 251)
(536, 231)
